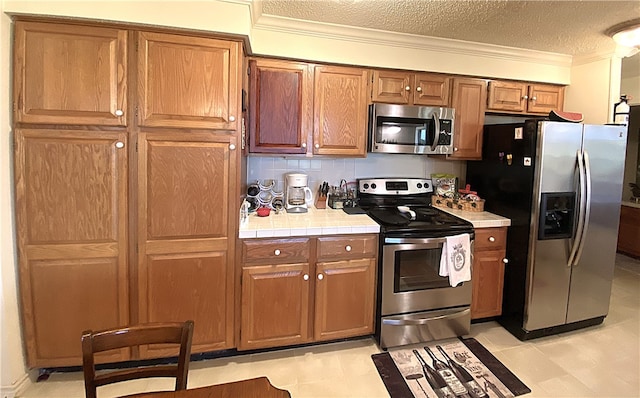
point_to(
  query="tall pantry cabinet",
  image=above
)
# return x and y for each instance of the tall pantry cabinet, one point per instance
(126, 174)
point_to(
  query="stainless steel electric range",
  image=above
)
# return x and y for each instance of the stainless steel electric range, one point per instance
(415, 304)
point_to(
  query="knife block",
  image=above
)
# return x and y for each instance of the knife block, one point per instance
(321, 202)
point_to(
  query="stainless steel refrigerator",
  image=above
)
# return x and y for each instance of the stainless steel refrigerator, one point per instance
(561, 186)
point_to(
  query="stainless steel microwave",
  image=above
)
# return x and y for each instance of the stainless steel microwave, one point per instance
(410, 129)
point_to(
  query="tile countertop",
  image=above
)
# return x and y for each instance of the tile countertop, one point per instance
(630, 204)
(314, 222)
(479, 219)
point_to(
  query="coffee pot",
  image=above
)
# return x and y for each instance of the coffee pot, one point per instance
(299, 195)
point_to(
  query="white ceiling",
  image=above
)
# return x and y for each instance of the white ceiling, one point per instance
(566, 27)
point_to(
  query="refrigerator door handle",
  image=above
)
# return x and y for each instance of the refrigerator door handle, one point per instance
(587, 213)
(581, 209)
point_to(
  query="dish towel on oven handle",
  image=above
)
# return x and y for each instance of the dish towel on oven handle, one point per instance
(456, 259)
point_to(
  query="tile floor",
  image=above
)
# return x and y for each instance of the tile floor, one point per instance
(600, 361)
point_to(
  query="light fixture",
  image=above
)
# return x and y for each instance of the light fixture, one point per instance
(626, 34)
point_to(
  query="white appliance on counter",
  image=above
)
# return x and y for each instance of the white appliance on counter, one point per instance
(299, 195)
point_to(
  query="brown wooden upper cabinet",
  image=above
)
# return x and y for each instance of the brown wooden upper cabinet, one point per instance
(300, 108)
(469, 99)
(398, 87)
(188, 82)
(67, 74)
(340, 110)
(280, 106)
(519, 97)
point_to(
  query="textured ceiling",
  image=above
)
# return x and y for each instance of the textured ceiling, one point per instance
(567, 27)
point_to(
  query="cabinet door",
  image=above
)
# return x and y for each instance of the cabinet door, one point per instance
(431, 89)
(392, 87)
(629, 232)
(275, 305)
(71, 190)
(188, 82)
(187, 219)
(280, 106)
(487, 283)
(345, 292)
(545, 98)
(469, 100)
(507, 96)
(340, 111)
(69, 74)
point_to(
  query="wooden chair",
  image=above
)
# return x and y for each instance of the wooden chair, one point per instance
(152, 333)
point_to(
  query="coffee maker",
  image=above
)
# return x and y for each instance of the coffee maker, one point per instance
(299, 196)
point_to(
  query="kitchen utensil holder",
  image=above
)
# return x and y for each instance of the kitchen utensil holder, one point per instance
(458, 204)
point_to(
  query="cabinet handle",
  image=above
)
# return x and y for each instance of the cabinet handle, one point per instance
(304, 145)
(348, 248)
(277, 252)
(119, 112)
(526, 97)
(320, 277)
(317, 146)
(119, 144)
(305, 277)
(407, 88)
(232, 146)
(492, 239)
(505, 260)
(418, 89)
(232, 118)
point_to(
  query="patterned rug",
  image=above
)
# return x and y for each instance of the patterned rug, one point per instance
(461, 366)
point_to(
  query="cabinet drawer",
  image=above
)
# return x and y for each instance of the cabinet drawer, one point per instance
(352, 246)
(276, 250)
(490, 238)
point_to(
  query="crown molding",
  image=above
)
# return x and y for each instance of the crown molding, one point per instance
(403, 40)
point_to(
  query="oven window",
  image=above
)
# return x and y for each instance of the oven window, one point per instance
(418, 270)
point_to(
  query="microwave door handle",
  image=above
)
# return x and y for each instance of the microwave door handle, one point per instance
(436, 138)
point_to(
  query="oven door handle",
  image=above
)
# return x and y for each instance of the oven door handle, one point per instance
(420, 241)
(423, 321)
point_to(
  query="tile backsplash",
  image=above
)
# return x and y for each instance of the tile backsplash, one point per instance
(333, 170)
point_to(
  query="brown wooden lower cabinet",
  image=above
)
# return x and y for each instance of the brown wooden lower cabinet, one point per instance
(488, 272)
(286, 301)
(629, 232)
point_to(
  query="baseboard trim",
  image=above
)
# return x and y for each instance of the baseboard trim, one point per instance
(16, 389)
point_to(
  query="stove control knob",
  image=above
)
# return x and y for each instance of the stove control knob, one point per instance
(419, 185)
(366, 186)
(374, 186)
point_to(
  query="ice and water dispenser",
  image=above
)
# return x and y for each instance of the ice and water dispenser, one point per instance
(557, 212)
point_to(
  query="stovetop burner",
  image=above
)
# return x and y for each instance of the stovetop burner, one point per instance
(380, 198)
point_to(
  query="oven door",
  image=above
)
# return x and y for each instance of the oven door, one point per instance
(411, 280)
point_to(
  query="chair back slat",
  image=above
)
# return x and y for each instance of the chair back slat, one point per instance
(153, 333)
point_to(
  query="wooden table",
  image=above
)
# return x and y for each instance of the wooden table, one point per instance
(252, 388)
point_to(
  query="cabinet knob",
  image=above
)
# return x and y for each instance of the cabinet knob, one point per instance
(526, 97)
(232, 118)
(533, 98)
(418, 89)
(304, 145)
(317, 146)
(505, 260)
(305, 277)
(232, 146)
(348, 248)
(320, 277)
(407, 88)
(455, 149)
(119, 112)
(277, 252)
(492, 239)
(119, 144)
